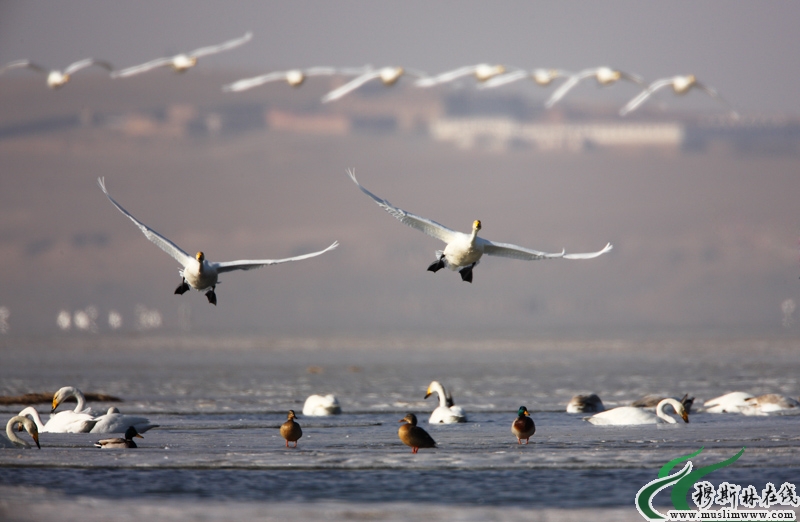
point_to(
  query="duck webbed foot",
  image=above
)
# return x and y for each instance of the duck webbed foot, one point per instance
(212, 296)
(182, 288)
(466, 273)
(437, 265)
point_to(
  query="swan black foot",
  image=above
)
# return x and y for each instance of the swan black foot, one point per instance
(183, 288)
(436, 266)
(212, 297)
(466, 273)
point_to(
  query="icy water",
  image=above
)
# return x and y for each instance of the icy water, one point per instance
(218, 454)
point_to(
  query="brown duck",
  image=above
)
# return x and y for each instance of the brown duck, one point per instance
(523, 426)
(414, 436)
(290, 430)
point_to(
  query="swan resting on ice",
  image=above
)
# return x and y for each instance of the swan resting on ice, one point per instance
(61, 422)
(463, 251)
(321, 405)
(13, 440)
(197, 271)
(585, 404)
(630, 415)
(446, 412)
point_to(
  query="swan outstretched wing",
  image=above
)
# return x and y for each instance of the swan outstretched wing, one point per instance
(527, 254)
(19, 64)
(144, 67)
(88, 62)
(250, 264)
(429, 227)
(445, 77)
(249, 83)
(504, 79)
(567, 86)
(230, 44)
(157, 239)
(352, 85)
(642, 96)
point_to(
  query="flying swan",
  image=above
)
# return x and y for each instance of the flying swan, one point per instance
(294, 77)
(481, 72)
(56, 78)
(543, 77)
(184, 61)
(388, 75)
(603, 75)
(197, 271)
(463, 251)
(680, 85)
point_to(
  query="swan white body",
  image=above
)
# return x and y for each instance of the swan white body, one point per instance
(543, 77)
(56, 78)
(184, 61)
(15, 442)
(680, 85)
(463, 251)
(294, 77)
(733, 402)
(630, 415)
(481, 72)
(770, 403)
(197, 272)
(585, 404)
(603, 75)
(321, 405)
(116, 422)
(446, 412)
(61, 422)
(387, 75)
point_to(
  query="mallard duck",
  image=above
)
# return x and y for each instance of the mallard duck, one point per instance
(322, 405)
(680, 85)
(55, 78)
(197, 272)
(25, 423)
(126, 442)
(184, 61)
(290, 430)
(629, 415)
(387, 75)
(585, 404)
(603, 75)
(414, 436)
(523, 426)
(463, 251)
(447, 412)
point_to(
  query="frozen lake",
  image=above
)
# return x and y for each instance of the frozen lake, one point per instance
(219, 402)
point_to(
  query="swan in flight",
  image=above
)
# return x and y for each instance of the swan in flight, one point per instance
(321, 405)
(603, 75)
(413, 436)
(733, 402)
(523, 426)
(55, 78)
(13, 440)
(290, 430)
(463, 251)
(481, 72)
(61, 422)
(387, 75)
(116, 422)
(294, 77)
(543, 77)
(630, 415)
(121, 443)
(585, 404)
(197, 271)
(447, 412)
(184, 61)
(680, 85)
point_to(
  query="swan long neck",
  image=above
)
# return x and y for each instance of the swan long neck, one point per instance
(664, 415)
(439, 389)
(30, 410)
(13, 436)
(81, 400)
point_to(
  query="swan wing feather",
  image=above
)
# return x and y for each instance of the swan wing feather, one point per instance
(248, 264)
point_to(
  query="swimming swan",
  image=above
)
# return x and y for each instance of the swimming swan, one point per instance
(13, 440)
(387, 75)
(126, 442)
(321, 405)
(55, 78)
(603, 75)
(446, 412)
(463, 251)
(184, 61)
(197, 272)
(61, 422)
(629, 415)
(680, 85)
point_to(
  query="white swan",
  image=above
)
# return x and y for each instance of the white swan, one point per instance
(70, 391)
(294, 77)
(116, 422)
(769, 403)
(629, 415)
(463, 251)
(322, 405)
(603, 75)
(387, 75)
(733, 402)
(197, 272)
(184, 61)
(56, 78)
(651, 401)
(680, 85)
(543, 77)
(585, 404)
(481, 72)
(61, 422)
(13, 441)
(446, 412)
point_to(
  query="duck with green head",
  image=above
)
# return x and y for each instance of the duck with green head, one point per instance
(523, 426)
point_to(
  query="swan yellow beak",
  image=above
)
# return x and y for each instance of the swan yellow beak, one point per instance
(55, 404)
(428, 394)
(476, 224)
(200, 256)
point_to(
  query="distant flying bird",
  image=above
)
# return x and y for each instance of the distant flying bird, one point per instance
(680, 85)
(543, 77)
(388, 75)
(481, 72)
(603, 75)
(55, 78)
(463, 251)
(197, 272)
(294, 77)
(182, 62)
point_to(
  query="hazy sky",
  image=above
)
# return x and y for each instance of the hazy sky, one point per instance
(748, 50)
